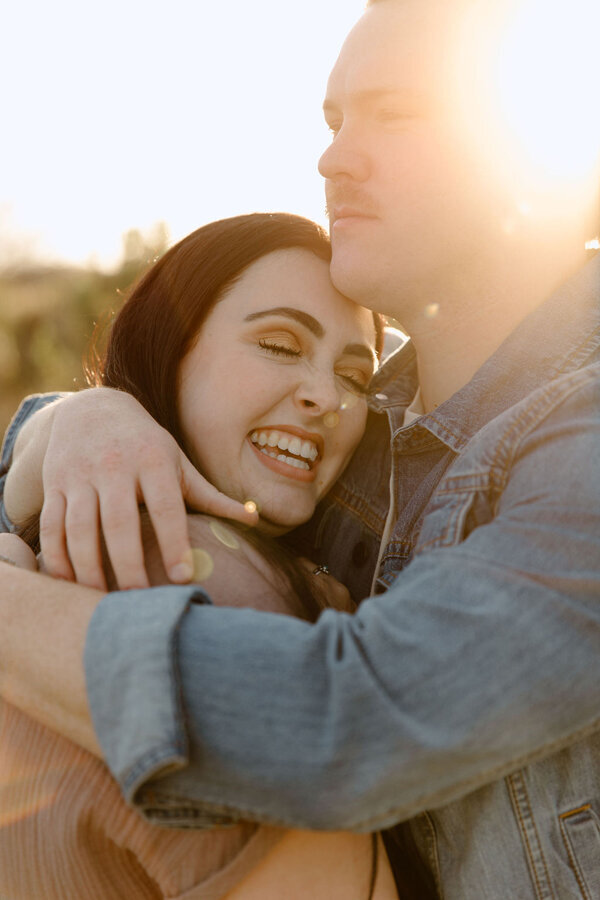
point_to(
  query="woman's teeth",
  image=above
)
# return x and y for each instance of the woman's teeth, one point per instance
(289, 460)
(268, 440)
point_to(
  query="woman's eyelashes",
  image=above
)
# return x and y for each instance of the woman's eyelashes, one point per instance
(282, 348)
(354, 383)
(276, 349)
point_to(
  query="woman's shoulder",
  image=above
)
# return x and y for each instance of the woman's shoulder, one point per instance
(227, 563)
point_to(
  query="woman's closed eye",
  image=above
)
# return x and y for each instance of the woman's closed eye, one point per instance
(279, 349)
(355, 381)
(285, 347)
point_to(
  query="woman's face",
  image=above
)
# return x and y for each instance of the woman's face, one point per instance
(271, 395)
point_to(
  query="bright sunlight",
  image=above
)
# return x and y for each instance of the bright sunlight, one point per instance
(531, 89)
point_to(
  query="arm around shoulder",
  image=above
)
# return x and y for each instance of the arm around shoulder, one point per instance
(481, 657)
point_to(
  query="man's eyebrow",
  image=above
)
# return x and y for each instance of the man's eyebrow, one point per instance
(289, 312)
(371, 95)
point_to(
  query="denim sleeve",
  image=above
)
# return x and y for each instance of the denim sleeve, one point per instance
(27, 408)
(482, 657)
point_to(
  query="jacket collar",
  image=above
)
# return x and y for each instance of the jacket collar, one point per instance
(558, 337)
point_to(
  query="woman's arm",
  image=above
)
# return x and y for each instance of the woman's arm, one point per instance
(90, 459)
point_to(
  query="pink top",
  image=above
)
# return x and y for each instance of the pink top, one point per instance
(67, 834)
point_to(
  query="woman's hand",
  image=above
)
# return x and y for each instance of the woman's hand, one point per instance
(335, 595)
(14, 550)
(103, 455)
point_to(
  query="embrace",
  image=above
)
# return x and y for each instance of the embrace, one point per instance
(407, 705)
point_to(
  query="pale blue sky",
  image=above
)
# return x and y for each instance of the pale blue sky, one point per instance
(124, 113)
(120, 114)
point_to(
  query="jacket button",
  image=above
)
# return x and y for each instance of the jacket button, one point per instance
(360, 554)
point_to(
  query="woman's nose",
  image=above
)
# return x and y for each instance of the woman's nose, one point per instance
(345, 157)
(318, 395)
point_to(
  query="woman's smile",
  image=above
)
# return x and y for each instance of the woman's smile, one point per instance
(288, 450)
(271, 367)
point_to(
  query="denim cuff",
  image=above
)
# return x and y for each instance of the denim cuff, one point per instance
(133, 681)
(27, 408)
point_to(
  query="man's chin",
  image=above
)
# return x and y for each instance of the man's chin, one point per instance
(347, 272)
(353, 277)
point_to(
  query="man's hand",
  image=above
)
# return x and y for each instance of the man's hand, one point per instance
(105, 455)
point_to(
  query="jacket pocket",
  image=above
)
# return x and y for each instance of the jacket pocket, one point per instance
(580, 829)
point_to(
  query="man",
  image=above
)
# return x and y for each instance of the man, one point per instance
(463, 701)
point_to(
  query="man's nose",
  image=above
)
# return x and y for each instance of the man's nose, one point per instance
(345, 157)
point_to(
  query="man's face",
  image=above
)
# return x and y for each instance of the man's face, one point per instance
(409, 201)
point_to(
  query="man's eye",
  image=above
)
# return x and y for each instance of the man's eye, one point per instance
(390, 115)
(394, 116)
(278, 349)
(333, 127)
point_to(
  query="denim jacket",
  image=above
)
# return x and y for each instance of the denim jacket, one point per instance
(463, 699)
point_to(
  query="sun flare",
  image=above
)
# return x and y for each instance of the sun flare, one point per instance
(531, 87)
(546, 77)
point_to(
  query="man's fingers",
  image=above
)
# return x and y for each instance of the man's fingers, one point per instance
(52, 537)
(82, 530)
(120, 517)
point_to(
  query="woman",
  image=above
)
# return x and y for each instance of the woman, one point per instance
(269, 366)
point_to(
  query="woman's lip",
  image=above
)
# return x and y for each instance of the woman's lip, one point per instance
(317, 439)
(305, 475)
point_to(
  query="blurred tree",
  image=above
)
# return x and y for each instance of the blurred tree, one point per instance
(48, 315)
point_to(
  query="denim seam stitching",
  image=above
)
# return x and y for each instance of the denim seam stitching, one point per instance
(573, 862)
(434, 853)
(524, 831)
(521, 425)
(455, 517)
(359, 516)
(417, 805)
(529, 418)
(496, 771)
(517, 808)
(135, 777)
(581, 351)
(448, 434)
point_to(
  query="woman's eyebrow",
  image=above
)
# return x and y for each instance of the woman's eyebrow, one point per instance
(361, 350)
(313, 325)
(297, 314)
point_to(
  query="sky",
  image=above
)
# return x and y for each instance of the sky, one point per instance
(122, 114)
